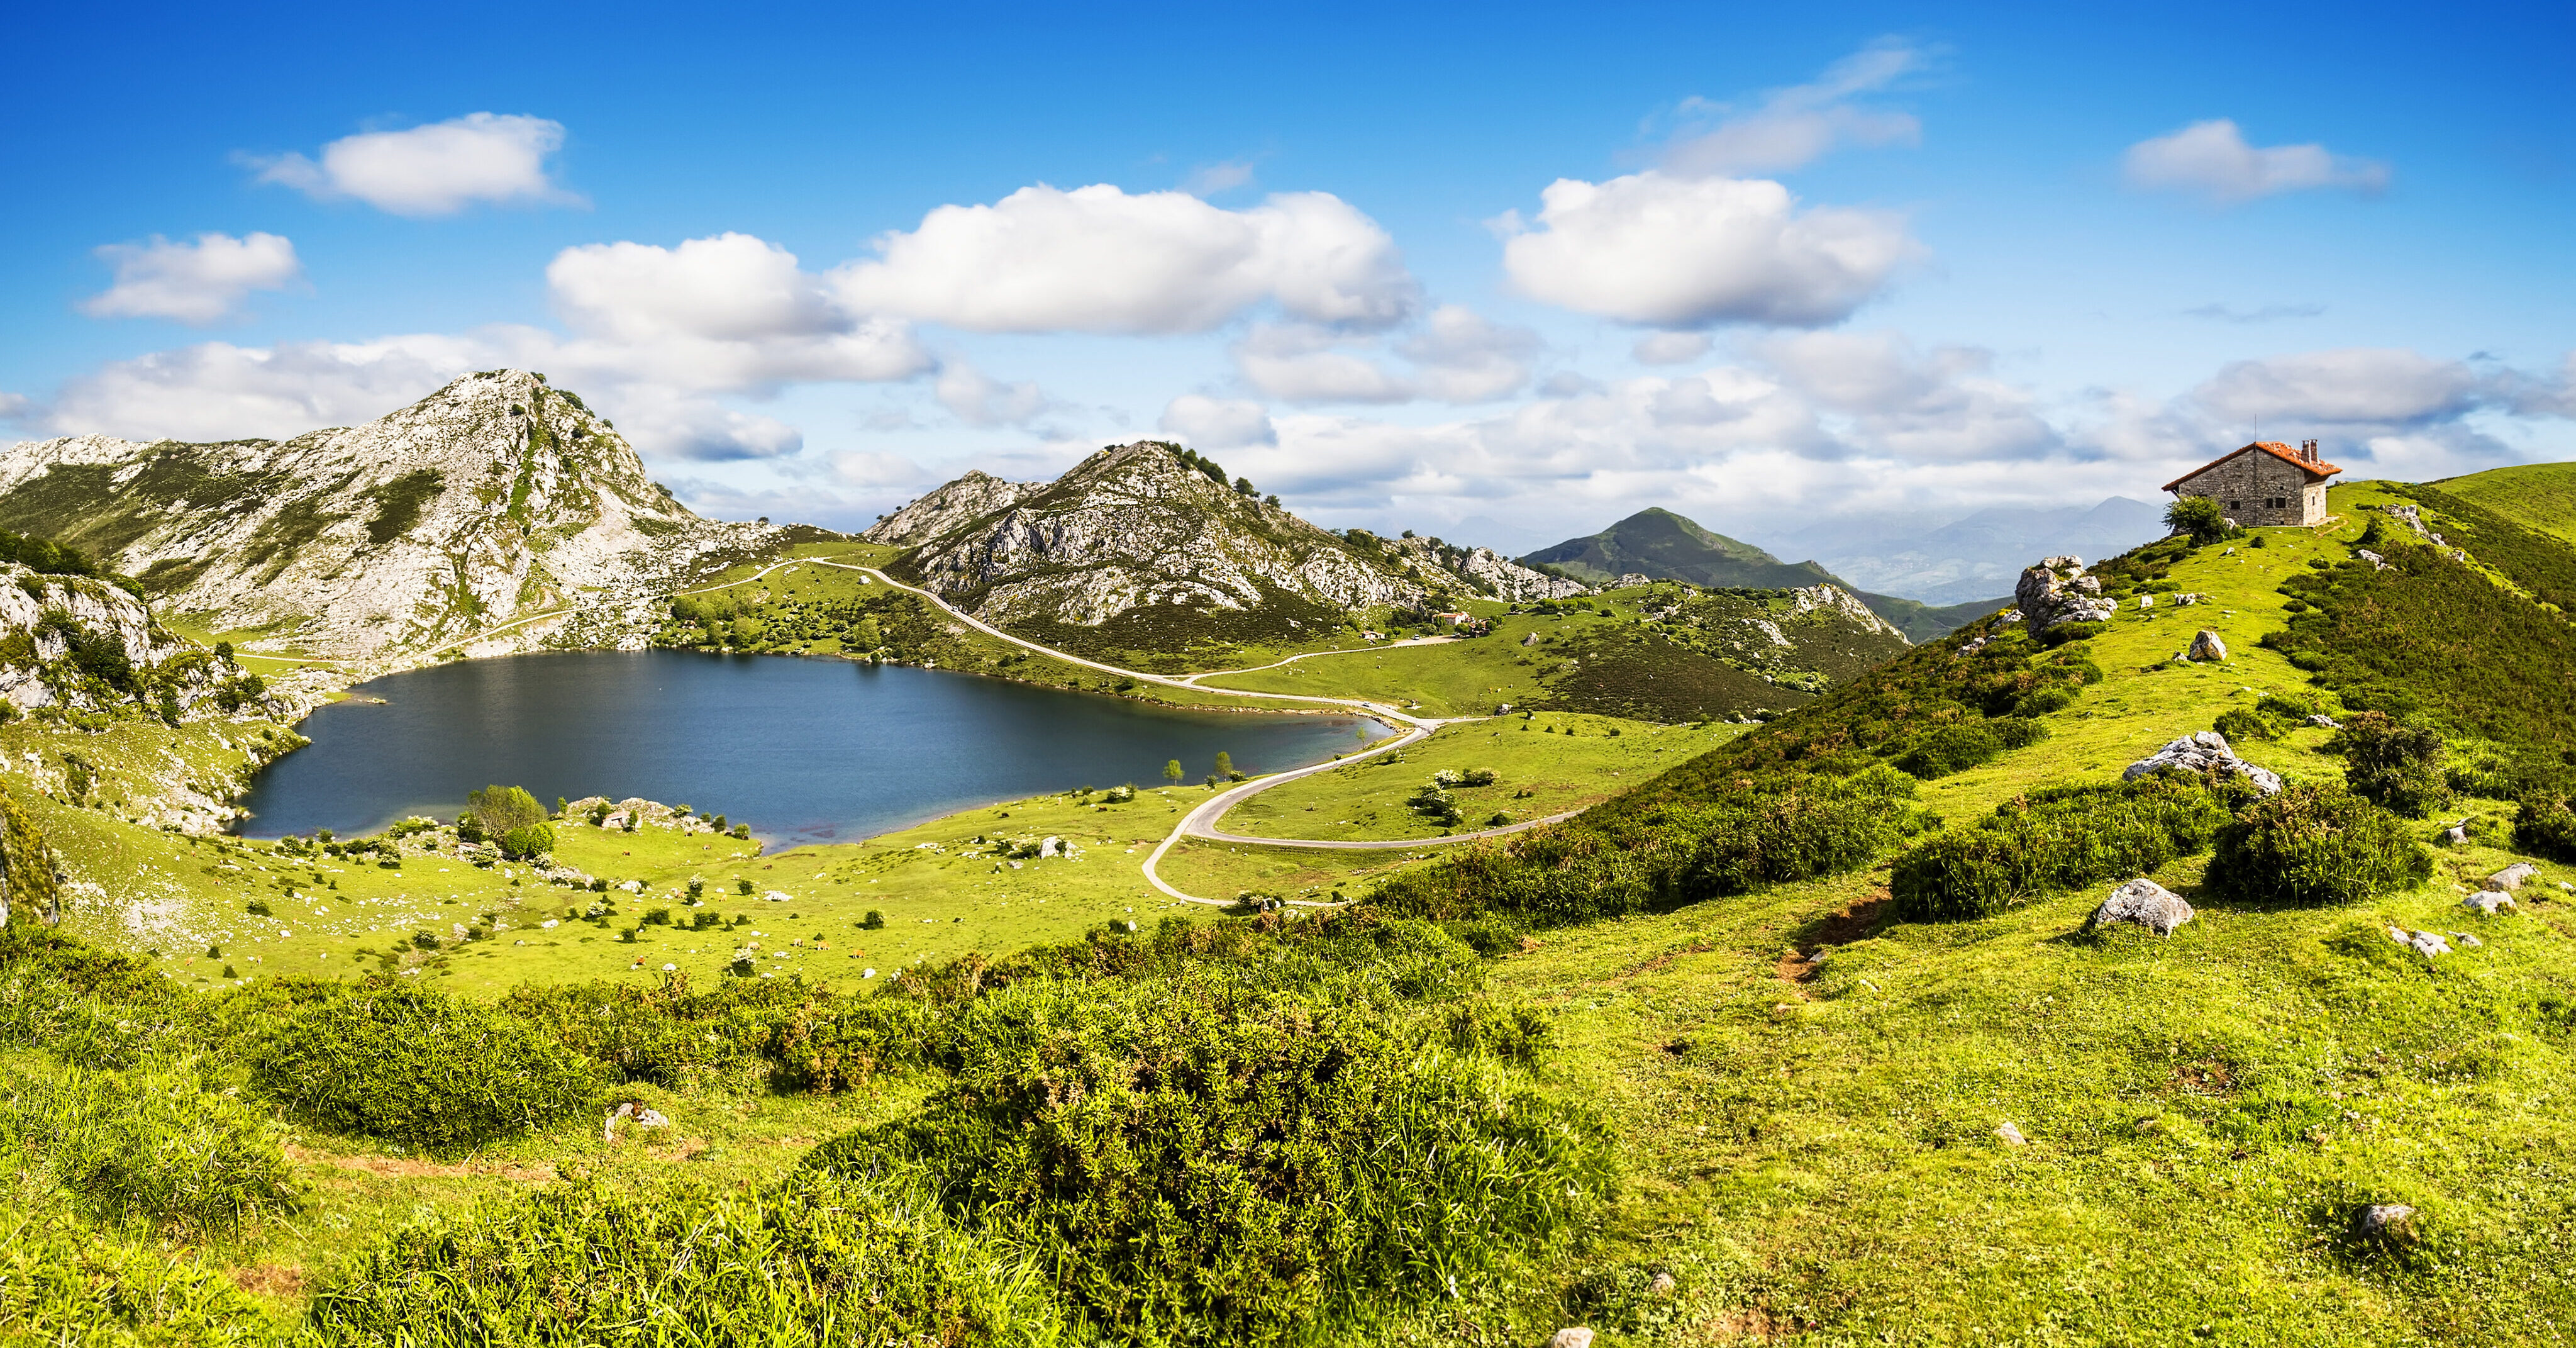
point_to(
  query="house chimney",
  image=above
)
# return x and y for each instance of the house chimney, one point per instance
(2308, 450)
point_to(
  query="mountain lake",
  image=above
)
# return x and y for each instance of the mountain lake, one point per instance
(802, 750)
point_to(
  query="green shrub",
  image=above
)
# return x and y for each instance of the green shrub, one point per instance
(2295, 710)
(810, 1260)
(64, 1284)
(419, 1068)
(2393, 764)
(1197, 1160)
(528, 840)
(2044, 701)
(2197, 516)
(154, 1147)
(2313, 846)
(2237, 723)
(2019, 732)
(1949, 749)
(873, 921)
(2545, 826)
(2053, 839)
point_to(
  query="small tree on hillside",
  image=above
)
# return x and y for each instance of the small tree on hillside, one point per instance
(1173, 771)
(2198, 516)
(1224, 763)
(499, 809)
(2393, 764)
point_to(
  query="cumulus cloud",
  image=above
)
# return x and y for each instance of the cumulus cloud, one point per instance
(1456, 355)
(981, 400)
(2382, 386)
(196, 282)
(1217, 423)
(1460, 356)
(1941, 405)
(1099, 259)
(438, 169)
(1303, 363)
(1661, 250)
(1789, 128)
(1670, 348)
(727, 313)
(2212, 159)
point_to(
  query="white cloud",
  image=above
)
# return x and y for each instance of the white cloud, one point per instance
(1302, 363)
(2213, 160)
(1098, 259)
(1460, 356)
(1670, 348)
(1209, 179)
(438, 169)
(1792, 127)
(2355, 385)
(727, 313)
(198, 282)
(1944, 405)
(219, 391)
(980, 400)
(1457, 355)
(1671, 252)
(1202, 422)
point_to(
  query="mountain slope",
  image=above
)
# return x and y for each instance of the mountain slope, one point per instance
(2538, 495)
(491, 500)
(1144, 547)
(1977, 555)
(1661, 545)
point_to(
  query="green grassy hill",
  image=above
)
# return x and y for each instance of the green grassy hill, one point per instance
(1660, 544)
(2540, 496)
(1727, 1058)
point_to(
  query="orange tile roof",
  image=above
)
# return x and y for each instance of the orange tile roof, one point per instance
(2275, 448)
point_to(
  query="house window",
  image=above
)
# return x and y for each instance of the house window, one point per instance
(2233, 504)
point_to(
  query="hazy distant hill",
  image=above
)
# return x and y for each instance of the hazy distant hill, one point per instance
(1981, 554)
(1661, 544)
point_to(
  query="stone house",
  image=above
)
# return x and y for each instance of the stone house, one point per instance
(2266, 482)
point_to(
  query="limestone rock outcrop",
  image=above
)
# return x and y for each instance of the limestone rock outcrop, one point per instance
(2142, 903)
(2057, 591)
(494, 499)
(2203, 752)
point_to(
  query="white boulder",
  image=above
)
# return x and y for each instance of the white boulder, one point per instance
(2200, 753)
(2144, 903)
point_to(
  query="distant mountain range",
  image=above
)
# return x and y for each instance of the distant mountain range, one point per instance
(1664, 546)
(1979, 555)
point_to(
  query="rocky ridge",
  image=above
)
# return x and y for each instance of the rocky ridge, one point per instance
(494, 500)
(1138, 527)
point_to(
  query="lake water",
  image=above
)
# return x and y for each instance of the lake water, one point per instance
(803, 750)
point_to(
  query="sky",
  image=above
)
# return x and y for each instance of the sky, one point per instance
(1500, 273)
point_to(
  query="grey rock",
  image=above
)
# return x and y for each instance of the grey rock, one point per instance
(2199, 753)
(2325, 721)
(2428, 944)
(1572, 1336)
(2187, 598)
(2491, 902)
(2146, 601)
(2207, 646)
(2057, 591)
(1664, 1285)
(2511, 877)
(2465, 940)
(2456, 833)
(2142, 903)
(1530, 640)
(2377, 562)
(2387, 1223)
(2011, 1136)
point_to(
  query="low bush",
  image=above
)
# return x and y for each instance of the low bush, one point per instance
(2295, 710)
(2393, 764)
(2545, 826)
(1197, 1159)
(419, 1068)
(2053, 839)
(2239, 724)
(1950, 749)
(63, 1284)
(528, 840)
(153, 1147)
(2312, 846)
(813, 1259)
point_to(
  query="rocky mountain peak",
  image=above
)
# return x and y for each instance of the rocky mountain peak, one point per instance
(495, 499)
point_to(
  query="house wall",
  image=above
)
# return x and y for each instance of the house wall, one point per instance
(2247, 486)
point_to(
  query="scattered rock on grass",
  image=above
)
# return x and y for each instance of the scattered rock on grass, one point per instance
(2384, 1224)
(1662, 1286)
(2490, 902)
(2142, 902)
(2206, 646)
(2057, 591)
(1572, 1336)
(2200, 753)
(2425, 943)
(2328, 722)
(2511, 877)
(2012, 1136)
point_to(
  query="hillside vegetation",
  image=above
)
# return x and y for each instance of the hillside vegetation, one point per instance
(1805, 1037)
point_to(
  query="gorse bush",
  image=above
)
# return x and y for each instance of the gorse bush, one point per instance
(153, 1148)
(419, 1068)
(2544, 826)
(2312, 846)
(61, 1284)
(1201, 1160)
(811, 1259)
(2053, 839)
(2393, 764)
(2238, 724)
(1951, 749)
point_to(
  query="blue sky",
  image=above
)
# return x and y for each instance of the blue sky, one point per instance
(1502, 273)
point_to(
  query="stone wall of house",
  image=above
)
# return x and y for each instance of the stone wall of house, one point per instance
(2248, 486)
